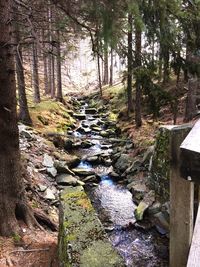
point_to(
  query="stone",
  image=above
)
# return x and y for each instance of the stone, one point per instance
(95, 128)
(82, 234)
(66, 179)
(135, 167)
(52, 171)
(123, 162)
(148, 154)
(161, 222)
(79, 116)
(84, 130)
(104, 134)
(138, 191)
(62, 167)
(71, 160)
(26, 134)
(92, 159)
(91, 178)
(49, 194)
(68, 144)
(86, 144)
(41, 187)
(83, 172)
(144, 204)
(91, 111)
(47, 161)
(155, 208)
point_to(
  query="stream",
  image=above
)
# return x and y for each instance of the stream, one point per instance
(112, 201)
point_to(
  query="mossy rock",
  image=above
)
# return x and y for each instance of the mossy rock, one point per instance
(82, 239)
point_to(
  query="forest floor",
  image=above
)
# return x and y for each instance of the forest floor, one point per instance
(38, 248)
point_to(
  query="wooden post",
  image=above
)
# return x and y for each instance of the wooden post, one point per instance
(181, 205)
(194, 255)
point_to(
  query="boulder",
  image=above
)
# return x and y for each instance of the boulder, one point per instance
(49, 194)
(47, 161)
(123, 162)
(86, 144)
(79, 116)
(62, 167)
(144, 204)
(90, 110)
(66, 179)
(83, 172)
(92, 159)
(52, 171)
(71, 160)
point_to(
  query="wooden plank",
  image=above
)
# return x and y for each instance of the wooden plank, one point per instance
(190, 155)
(194, 255)
(181, 219)
(192, 141)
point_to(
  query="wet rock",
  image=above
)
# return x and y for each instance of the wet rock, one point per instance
(52, 171)
(104, 133)
(77, 145)
(106, 146)
(83, 172)
(86, 144)
(91, 111)
(155, 208)
(85, 124)
(71, 160)
(91, 178)
(161, 221)
(123, 162)
(95, 128)
(84, 130)
(114, 175)
(107, 162)
(138, 191)
(79, 116)
(92, 159)
(62, 167)
(47, 161)
(66, 179)
(144, 204)
(68, 145)
(49, 194)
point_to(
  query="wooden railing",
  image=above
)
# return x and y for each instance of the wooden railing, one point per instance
(184, 178)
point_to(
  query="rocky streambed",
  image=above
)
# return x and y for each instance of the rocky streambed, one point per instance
(114, 180)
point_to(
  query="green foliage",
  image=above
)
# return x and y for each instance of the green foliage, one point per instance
(156, 96)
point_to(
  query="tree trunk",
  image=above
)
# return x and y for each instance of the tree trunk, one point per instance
(36, 89)
(105, 78)
(46, 83)
(23, 115)
(130, 65)
(138, 61)
(59, 73)
(190, 110)
(53, 87)
(12, 201)
(111, 67)
(99, 74)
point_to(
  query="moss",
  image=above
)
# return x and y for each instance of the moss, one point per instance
(80, 230)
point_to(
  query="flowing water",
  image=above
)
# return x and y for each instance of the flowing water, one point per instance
(115, 208)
